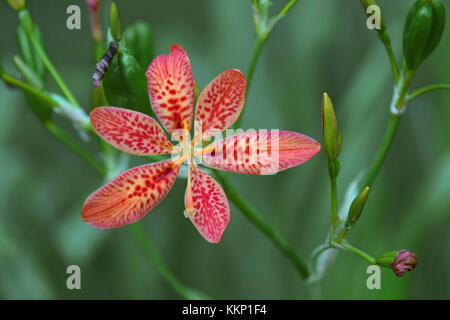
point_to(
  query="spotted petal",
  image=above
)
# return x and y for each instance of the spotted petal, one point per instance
(130, 131)
(129, 196)
(261, 152)
(211, 210)
(219, 104)
(171, 88)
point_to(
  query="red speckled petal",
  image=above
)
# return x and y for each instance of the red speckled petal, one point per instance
(261, 152)
(212, 211)
(129, 196)
(130, 131)
(171, 88)
(219, 104)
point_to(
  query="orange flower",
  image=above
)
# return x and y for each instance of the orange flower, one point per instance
(133, 193)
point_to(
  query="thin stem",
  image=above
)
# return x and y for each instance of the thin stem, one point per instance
(421, 91)
(358, 252)
(53, 71)
(391, 56)
(285, 10)
(250, 72)
(28, 88)
(158, 262)
(383, 150)
(262, 225)
(385, 39)
(317, 251)
(334, 215)
(259, 44)
(75, 147)
(397, 109)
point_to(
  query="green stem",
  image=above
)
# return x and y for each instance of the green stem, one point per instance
(75, 147)
(158, 262)
(383, 150)
(421, 91)
(28, 88)
(334, 215)
(250, 72)
(358, 252)
(392, 60)
(385, 39)
(262, 225)
(261, 39)
(285, 10)
(317, 251)
(397, 109)
(53, 71)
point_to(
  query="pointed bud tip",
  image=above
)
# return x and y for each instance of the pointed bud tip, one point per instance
(114, 22)
(93, 5)
(330, 128)
(357, 205)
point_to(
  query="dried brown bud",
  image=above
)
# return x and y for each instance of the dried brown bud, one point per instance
(404, 261)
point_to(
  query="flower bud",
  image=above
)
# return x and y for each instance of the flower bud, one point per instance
(386, 259)
(94, 6)
(125, 84)
(404, 261)
(399, 261)
(357, 206)
(330, 127)
(139, 40)
(17, 4)
(114, 22)
(423, 30)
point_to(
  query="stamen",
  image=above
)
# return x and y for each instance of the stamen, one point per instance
(184, 123)
(205, 149)
(179, 161)
(189, 210)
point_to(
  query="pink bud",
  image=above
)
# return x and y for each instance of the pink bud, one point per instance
(93, 8)
(404, 261)
(93, 5)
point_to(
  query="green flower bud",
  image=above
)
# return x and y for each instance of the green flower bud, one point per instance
(357, 206)
(17, 5)
(114, 22)
(423, 31)
(139, 40)
(331, 132)
(386, 259)
(125, 84)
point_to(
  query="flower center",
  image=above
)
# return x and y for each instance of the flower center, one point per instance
(185, 149)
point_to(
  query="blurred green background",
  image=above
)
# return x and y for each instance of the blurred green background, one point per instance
(322, 45)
